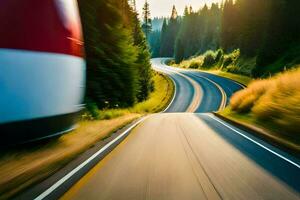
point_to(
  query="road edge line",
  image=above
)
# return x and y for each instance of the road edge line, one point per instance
(60, 182)
(174, 95)
(223, 93)
(196, 86)
(255, 142)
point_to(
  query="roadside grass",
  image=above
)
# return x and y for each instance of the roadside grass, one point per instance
(159, 98)
(266, 129)
(189, 63)
(215, 63)
(245, 80)
(22, 167)
(230, 65)
(272, 103)
(19, 168)
(157, 101)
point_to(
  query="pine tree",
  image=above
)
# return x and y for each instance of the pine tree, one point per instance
(229, 35)
(145, 83)
(147, 25)
(110, 54)
(163, 39)
(118, 60)
(282, 37)
(179, 51)
(169, 34)
(174, 14)
(186, 11)
(190, 10)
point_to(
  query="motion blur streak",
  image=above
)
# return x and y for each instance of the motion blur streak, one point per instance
(187, 156)
(42, 75)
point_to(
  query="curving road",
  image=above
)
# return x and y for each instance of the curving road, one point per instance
(215, 91)
(191, 155)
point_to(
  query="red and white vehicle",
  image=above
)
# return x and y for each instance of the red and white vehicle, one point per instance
(42, 68)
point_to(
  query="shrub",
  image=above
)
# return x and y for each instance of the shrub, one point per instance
(227, 61)
(275, 100)
(170, 62)
(209, 59)
(219, 55)
(244, 100)
(111, 113)
(195, 65)
(92, 111)
(231, 58)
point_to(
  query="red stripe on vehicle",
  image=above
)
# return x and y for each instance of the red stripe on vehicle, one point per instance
(41, 25)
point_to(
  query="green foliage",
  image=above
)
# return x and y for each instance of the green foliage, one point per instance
(147, 22)
(227, 61)
(266, 35)
(118, 65)
(266, 32)
(157, 23)
(195, 65)
(288, 60)
(168, 34)
(179, 51)
(168, 37)
(154, 43)
(230, 59)
(219, 56)
(282, 35)
(209, 59)
(145, 82)
(93, 111)
(199, 31)
(158, 99)
(111, 113)
(219, 60)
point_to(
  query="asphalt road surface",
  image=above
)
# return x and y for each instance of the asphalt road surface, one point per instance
(187, 153)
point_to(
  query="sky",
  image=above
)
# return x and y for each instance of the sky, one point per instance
(160, 8)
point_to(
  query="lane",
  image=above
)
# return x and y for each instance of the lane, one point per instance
(176, 155)
(188, 94)
(212, 98)
(229, 86)
(188, 156)
(216, 90)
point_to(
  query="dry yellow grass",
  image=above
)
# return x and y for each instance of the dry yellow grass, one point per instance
(274, 101)
(22, 168)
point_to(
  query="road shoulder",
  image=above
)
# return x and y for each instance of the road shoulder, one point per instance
(263, 134)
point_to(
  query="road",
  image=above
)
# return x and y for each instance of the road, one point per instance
(215, 91)
(187, 153)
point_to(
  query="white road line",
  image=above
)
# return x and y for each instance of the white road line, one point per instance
(165, 68)
(255, 142)
(223, 93)
(179, 71)
(242, 86)
(175, 88)
(174, 95)
(79, 167)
